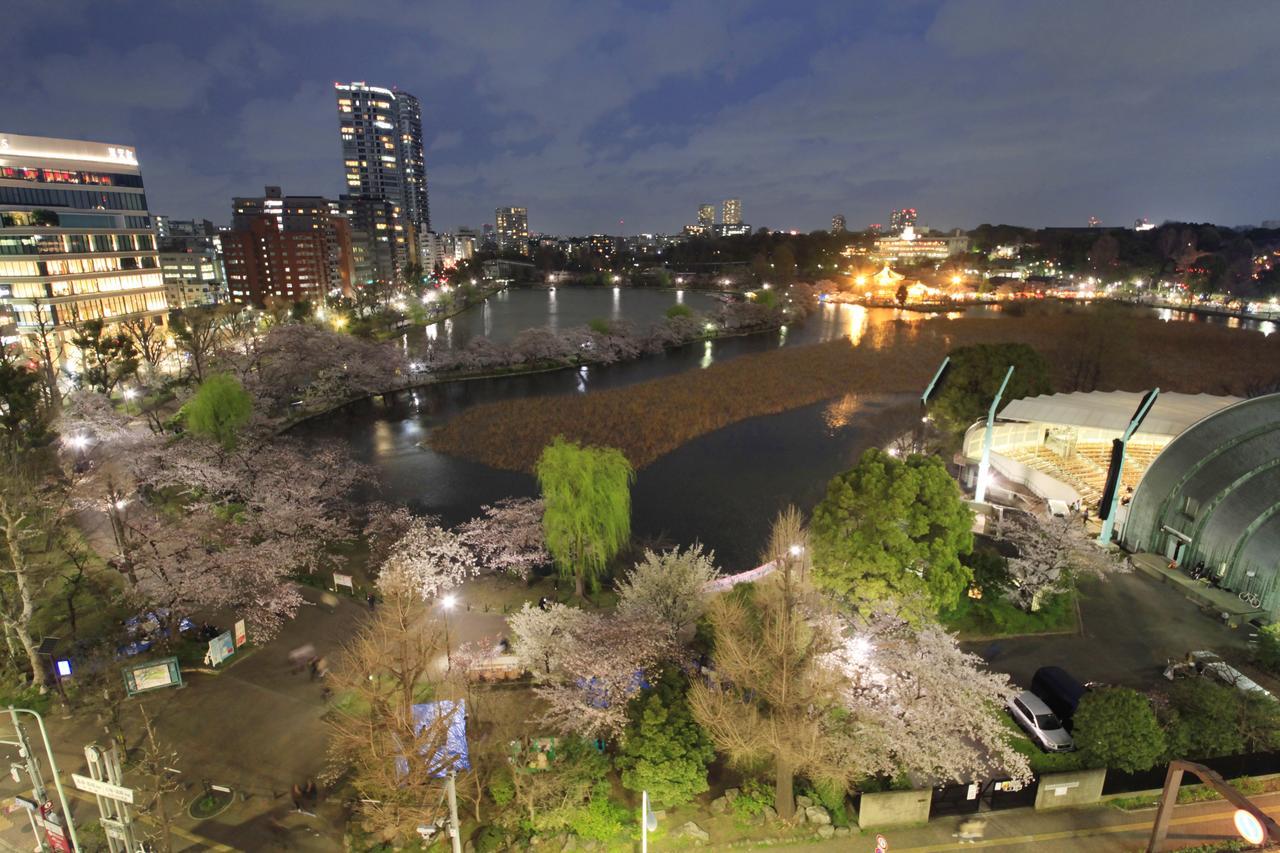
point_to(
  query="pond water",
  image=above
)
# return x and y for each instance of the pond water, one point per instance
(507, 313)
(722, 488)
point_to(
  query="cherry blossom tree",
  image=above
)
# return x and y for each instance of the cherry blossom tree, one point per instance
(668, 589)
(934, 707)
(425, 561)
(1049, 549)
(540, 634)
(508, 537)
(601, 663)
(588, 665)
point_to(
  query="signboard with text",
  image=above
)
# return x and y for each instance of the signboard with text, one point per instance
(102, 789)
(221, 647)
(242, 635)
(152, 675)
(343, 580)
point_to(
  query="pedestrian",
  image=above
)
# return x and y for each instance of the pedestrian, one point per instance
(310, 793)
(296, 794)
(321, 668)
(314, 666)
(299, 657)
(371, 600)
(972, 829)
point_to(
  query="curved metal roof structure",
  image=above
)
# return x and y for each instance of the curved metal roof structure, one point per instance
(1111, 410)
(1216, 489)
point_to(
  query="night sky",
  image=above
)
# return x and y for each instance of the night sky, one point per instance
(1037, 113)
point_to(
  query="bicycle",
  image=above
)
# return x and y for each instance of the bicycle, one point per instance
(1247, 595)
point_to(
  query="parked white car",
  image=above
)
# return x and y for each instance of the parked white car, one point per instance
(1044, 727)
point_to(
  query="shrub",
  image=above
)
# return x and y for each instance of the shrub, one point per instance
(752, 798)
(502, 790)
(1202, 720)
(679, 310)
(489, 839)
(664, 750)
(1266, 652)
(1116, 728)
(600, 819)
(600, 326)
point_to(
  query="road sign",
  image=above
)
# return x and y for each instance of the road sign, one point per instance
(102, 789)
(882, 843)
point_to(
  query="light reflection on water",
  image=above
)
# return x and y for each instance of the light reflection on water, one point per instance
(708, 355)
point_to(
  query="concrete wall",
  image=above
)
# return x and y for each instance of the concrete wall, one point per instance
(1078, 788)
(894, 808)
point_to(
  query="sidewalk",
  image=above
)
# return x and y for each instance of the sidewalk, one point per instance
(1098, 829)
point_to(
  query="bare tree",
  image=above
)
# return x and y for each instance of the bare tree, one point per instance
(49, 349)
(394, 759)
(25, 515)
(148, 339)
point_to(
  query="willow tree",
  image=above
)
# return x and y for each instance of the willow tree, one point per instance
(586, 492)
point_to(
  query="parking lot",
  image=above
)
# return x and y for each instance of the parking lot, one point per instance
(1131, 626)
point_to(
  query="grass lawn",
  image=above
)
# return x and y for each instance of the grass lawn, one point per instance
(994, 616)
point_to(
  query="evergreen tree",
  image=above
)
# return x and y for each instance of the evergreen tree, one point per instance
(665, 751)
(1115, 727)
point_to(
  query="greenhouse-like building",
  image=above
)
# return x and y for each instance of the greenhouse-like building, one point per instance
(1213, 495)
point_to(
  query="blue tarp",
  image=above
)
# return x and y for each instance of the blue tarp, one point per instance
(455, 744)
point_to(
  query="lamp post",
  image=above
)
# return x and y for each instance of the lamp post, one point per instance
(446, 604)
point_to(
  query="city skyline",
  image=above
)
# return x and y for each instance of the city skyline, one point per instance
(617, 124)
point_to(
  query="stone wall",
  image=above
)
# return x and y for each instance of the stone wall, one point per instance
(894, 808)
(1078, 788)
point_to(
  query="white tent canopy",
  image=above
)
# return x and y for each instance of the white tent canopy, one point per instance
(1111, 410)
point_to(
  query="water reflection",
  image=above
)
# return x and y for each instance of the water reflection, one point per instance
(679, 297)
(433, 329)
(582, 379)
(488, 319)
(617, 303)
(839, 413)
(707, 357)
(782, 336)
(1267, 327)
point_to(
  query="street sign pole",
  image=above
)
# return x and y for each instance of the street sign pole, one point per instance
(53, 766)
(455, 834)
(112, 796)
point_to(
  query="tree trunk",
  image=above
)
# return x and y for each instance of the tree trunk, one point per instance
(579, 585)
(783, 798)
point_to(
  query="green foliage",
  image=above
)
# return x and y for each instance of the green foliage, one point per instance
(752, 798)
(831, 796)
(106, 360)
(893, 529)
(1202, 720)
(600, 326)
(490, 839)
(501, 789)
(1266, 652)
(1116, 728)
(975, 375)
(600, 818)
(993, 615)
(766, 297)
(22, 422)
(679, 310)
(1041, 761)
(664, 750)
(219, 409)
(990, 571)
(586, 492)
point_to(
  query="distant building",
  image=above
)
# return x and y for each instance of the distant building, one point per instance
(381, 132)
(191, 261)
(837, 224)
(296, 248)
(379, 256)
(706, 215)
(1143, 224)
(911, 247)
(76, 238)
(902, 219)
(731, 229)
(1095, 222)
(731, 213)
(512, 229)
(603, 245)
(465, 244)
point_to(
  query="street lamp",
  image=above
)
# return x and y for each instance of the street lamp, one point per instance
(446, 604)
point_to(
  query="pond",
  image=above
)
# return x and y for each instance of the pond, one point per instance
(722, 488)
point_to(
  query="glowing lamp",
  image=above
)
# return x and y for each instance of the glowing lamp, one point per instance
(1249, 827)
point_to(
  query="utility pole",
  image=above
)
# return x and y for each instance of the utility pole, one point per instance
(455, 833)
(37, 781)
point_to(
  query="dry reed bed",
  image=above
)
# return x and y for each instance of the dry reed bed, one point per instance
(652, 418)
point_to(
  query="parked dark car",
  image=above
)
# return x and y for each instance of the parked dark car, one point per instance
(1059, 690)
